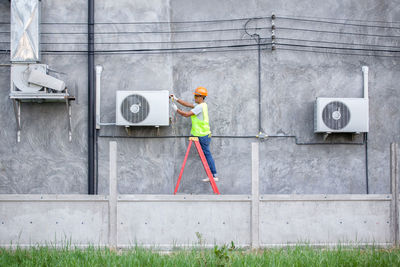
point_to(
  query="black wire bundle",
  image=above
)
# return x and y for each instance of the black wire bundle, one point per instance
(223, 35)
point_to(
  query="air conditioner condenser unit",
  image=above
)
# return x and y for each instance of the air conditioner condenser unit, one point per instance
(142, 108)
(341, 115)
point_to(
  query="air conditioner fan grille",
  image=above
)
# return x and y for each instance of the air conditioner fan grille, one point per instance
(135, 108)
(336, 115)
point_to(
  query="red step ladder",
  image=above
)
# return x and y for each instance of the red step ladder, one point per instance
(203, 160)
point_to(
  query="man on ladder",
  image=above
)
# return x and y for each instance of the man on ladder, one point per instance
(200, 124)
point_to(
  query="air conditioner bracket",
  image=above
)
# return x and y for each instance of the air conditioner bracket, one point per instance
(19, 97)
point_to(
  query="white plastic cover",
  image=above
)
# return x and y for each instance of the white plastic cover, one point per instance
(39, 78)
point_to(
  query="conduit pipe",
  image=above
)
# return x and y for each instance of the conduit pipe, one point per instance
(91, 102)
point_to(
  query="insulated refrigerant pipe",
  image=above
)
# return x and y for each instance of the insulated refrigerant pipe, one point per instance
(91, 102)
(365, 80)
(99, 70)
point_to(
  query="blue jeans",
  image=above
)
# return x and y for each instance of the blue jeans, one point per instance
(205, 145)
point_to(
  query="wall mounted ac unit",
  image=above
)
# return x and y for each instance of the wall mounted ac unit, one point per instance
(343, 115)
(142, 108)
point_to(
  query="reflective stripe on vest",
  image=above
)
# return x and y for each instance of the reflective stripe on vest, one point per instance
(201, 127)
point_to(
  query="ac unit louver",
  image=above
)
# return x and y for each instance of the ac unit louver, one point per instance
(142, 108)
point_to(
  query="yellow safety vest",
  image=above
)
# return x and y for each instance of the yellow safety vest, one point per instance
(201, 127)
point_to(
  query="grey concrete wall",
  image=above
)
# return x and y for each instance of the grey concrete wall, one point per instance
(44, 161)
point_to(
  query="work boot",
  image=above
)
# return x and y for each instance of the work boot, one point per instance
(208, 179)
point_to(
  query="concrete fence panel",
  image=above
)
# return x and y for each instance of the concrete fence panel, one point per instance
(166, 221)
(350, 219)
(29, 220)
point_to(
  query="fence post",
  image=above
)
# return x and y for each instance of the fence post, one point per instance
(394, 186)
(112, 201)
(255, 196)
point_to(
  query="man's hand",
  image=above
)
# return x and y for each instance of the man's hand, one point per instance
(174, 97)
(174, 107)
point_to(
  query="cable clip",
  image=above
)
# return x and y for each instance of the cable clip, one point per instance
(262, 135)
(273, 47)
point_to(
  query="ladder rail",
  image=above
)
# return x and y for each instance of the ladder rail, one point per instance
(206, 167)
(203, 161)
(183, 167)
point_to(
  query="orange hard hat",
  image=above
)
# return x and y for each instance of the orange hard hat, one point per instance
(200, 91)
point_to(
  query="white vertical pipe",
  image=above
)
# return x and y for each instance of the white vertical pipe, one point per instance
(365, 76)
(99, 70)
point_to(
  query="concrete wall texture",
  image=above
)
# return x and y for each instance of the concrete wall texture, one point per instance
(44, 162)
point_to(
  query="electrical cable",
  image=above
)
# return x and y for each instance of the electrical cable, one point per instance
(338, 23)
(314, 143)
(155, 49)
(342, 19)
(340, 48)
(151, 32)
(149, 42)
(329, 42)
(335, 32)
(206, 41)
(337, 53)
(176, 136)
(219, 30)
(319, 19)
(297, 142)
(257, 38)
(366, 162)
(157, 53)
(156, 22)
(216, 20)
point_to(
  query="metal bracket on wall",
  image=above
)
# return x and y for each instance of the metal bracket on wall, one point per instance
(325, 136)
(20, 97)
(69, 113)
(17, 111)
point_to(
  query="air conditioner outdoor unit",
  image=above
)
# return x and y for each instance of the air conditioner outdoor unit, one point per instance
(343, 115)
(142, 108)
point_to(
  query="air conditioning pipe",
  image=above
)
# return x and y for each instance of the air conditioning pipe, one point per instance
(365, 79)
(365, 76)
(99, 70)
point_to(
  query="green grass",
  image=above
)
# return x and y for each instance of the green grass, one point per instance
(219, 256)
